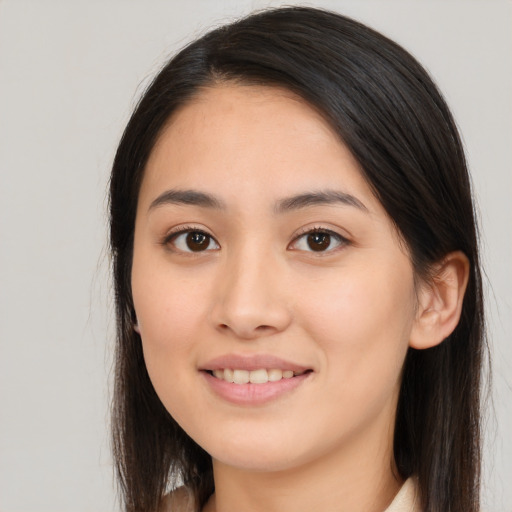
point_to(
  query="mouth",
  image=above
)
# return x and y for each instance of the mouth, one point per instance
(259, 376)
(253, 379)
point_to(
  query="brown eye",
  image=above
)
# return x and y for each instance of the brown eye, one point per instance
(197, 241)
(319, 241)
(192, 241)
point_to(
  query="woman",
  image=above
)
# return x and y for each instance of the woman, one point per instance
(298, 290)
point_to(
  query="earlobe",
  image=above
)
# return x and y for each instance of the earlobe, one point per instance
(440, 302)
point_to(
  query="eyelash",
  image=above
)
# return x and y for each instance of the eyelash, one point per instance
(175, 233)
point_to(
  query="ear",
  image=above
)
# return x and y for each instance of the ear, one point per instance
(440, 302)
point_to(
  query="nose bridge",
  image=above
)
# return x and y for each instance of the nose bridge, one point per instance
(251, 300)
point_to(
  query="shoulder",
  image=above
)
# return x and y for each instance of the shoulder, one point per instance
(179, 500)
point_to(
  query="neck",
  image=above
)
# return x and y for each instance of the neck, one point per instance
(360, 478)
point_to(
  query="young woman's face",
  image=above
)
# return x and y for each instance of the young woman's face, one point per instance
(260, 252)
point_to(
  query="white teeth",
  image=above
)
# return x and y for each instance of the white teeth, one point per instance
(240, 376)
(260, 376)
(275, 374)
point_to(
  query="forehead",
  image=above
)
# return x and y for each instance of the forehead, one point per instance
(254, 141)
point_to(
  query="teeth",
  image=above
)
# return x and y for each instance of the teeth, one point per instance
(258, 376)
(261, 376)
(228, 375)
(274, 375)
(240, 376)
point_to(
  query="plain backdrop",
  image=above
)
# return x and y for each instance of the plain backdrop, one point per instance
(70, 73)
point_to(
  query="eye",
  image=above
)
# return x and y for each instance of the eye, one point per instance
(192, 240)
(319, 240)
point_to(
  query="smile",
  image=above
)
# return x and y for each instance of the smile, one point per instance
(260, 376)
(253, 379)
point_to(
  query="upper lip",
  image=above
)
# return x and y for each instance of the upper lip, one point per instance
(251, 362)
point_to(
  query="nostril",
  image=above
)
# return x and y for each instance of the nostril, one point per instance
(263, 327)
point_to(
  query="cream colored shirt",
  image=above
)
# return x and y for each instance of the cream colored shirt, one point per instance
(405, 501)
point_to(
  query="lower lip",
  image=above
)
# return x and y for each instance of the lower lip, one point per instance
(253, 394)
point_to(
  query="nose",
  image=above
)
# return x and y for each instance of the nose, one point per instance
(251, 300)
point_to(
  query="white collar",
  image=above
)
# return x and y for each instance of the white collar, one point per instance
(406, 500)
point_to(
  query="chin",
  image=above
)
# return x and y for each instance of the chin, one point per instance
(255, 460)
(257, 453)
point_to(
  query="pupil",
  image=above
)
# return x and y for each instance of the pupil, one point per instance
(197, 241)
(319, 241)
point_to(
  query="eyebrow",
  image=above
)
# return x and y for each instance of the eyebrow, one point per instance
(204, 200)
(188, 197)
(324, 197)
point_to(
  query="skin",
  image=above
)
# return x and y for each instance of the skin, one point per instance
(348, 313)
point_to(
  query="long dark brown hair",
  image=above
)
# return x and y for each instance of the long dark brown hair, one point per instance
(391, 116)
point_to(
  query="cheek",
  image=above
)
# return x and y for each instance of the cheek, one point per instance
(358, 302)
(362, 321)
(169, 312)
(166, 303)
(169, 309)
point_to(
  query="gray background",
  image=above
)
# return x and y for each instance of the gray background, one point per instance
(70, 73)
